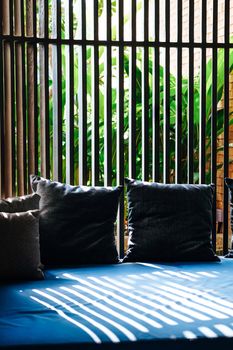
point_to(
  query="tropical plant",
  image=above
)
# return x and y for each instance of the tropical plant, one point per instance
(173, 83)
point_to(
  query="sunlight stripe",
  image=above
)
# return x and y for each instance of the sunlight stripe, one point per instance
(189, 335)
(173, 305)
(121, 307)
(150, 265)
(163, 308)
(225, 330)
(162, 274)
(93, 336)
(135, 277)
(149, 276)
(106, 309)
(117, 283)
(178, 307)
(207, 274)
(202, 293)
(212, 309)
(208, 332)
(122, 329)
(191, 274)
(130, 303)
(180, 275)
(102, 328)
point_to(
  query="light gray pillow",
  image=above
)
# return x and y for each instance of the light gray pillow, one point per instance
(20, 204)
(19, 246)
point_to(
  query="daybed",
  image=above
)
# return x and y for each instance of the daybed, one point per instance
(124, 306)
(90, 300)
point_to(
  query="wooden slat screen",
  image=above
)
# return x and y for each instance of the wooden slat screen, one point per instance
(226, 122)
(32, 96)
(44, 90)
(91, 92)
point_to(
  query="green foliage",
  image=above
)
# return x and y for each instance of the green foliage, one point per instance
(138, 102)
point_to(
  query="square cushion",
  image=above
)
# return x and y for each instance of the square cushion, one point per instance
(20, 204)
(19, 246)
(169, 222)
(76, 223)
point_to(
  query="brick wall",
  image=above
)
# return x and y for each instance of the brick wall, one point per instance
(197, 28)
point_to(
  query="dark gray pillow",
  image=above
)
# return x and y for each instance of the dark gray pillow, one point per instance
(169, 222)
(20, 204)
(76, 223)
(19, 246)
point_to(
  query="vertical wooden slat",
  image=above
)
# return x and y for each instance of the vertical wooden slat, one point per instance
(22, 18)
(20, 99)
(108, 102)
(5, 8)
(191, 95)
(132, 95)
(32, 88)
(8, 99)
(95, 100)
(8, 120)
(57, 91)
(17, 18)
(82, 75)
(11, 17)
(13, 121)
(34, 17)
(120, 125)
(13, 126)
(156, 99)
(214, 113)
(145, 96)
(69, 95)
(226, 125)
(23, 58)
(1, 108)
(178, 164)
(21, 136)
(202, 130)
(166, 132)
(44, 91)
(36, 108)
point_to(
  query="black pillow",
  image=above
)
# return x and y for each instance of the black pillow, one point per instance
(19, 246)
(76, 223)
(20, 204)
(169, 222)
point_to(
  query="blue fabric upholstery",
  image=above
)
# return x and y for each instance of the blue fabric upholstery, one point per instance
(126, 306)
